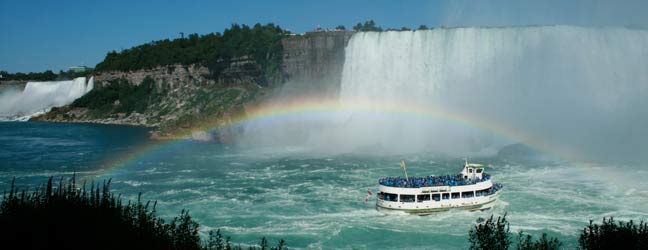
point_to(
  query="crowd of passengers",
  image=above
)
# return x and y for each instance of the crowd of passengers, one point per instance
(430, 181)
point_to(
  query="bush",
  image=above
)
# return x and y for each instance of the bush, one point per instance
(69, 217)
(525, 242)
(491, 234)
(495, 234)
(611, 235)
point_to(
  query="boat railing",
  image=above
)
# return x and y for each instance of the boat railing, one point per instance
(431, 181)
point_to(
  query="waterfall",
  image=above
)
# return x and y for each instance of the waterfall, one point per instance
(39, 97)
(568, 88)
(89, 85)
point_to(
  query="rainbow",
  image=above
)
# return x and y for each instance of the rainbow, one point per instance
(285, 111)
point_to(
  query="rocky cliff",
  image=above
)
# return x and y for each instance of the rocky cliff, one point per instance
(183, 97)
(315, 59)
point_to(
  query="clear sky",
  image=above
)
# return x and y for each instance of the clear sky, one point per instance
(41, 35)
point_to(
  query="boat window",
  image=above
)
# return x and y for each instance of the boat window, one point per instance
(436, 197)
(445, 196)
(406, 198)
(470, 170)
(479, 170)
(455, 195)
(483, 192)
(422, 197)
(467, 194)
(388, 196)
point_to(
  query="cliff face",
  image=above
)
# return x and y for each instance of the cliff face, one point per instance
(184, 96)
(315, 57)
(238, 71)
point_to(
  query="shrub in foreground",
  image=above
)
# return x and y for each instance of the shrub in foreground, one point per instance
(495, 234)
(67, 217)
(611, 235)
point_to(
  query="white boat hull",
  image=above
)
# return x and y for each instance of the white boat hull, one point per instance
(474, 203)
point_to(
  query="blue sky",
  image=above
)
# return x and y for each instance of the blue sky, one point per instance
(41, 35)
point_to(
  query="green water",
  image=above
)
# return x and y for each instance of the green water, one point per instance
(314, 201)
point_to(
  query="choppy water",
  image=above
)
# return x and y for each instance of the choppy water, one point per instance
(313, 201)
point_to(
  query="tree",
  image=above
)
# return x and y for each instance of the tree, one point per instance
(495, 234)
(525, 242)
(340, 27)
(423, 27)
(490, 235)
(612, 235)
(367, 26)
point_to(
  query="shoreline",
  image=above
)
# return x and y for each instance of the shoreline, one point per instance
(153, 132)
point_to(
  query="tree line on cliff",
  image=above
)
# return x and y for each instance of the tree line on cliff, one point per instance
(68, 216)
(47, 75)
(260, 42)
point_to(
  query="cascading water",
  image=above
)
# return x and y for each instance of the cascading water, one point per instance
(90, 85)
(40, 97)
(569, 88)
(574, 90)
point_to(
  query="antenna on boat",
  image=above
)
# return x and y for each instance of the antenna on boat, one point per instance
(402, 164)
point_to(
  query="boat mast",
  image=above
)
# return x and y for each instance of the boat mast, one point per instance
(402, 164)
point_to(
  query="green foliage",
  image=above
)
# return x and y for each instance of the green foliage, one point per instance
(611, 235)
(495, 234)
(216, 242)
(525, 242)
(47, 75)
(423, 27)
(367, 26)
(340, 27)
(69, 217)
(121, 97)
(260, 42)
(490, 235)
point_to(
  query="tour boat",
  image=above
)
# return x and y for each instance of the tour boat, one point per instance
(472, 190)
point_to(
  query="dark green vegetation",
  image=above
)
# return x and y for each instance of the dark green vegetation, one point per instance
(69, 217)
(367, 26)
(121, 97)
(611, 235)
(371, 26)
(260, 42)
(495, 234)
(47, 75)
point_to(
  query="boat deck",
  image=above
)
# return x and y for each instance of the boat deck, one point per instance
(430, 181)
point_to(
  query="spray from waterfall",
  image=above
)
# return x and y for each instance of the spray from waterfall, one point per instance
(573, 88)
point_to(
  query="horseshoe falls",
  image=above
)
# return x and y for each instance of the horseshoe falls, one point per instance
(470, 91)
(39, 97)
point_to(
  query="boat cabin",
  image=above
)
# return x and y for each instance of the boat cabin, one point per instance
(472, 171)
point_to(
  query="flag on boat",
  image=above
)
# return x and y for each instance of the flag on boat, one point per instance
(402, 164)
(369, 194)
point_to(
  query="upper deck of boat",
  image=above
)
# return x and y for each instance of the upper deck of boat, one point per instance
(431, 181)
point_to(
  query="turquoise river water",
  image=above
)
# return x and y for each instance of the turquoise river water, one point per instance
(313, 201)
